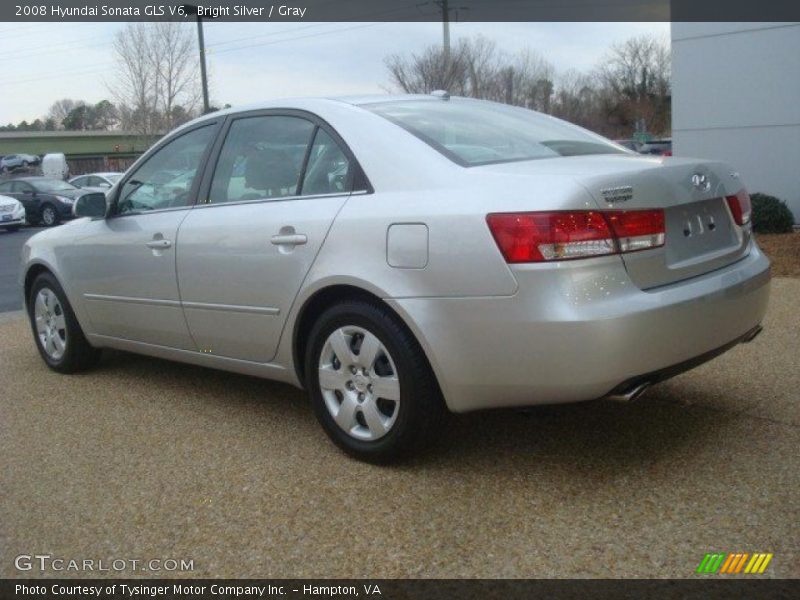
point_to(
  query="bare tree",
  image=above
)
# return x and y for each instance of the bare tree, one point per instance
(60, 110)
(135, 84)
(477, 69)
(157, 74)
(177, 70)
(636, 76)
(428, 71)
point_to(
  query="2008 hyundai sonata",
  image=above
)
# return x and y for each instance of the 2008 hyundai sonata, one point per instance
(400, 257)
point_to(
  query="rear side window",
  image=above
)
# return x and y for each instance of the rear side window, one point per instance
(262, 158)
(473, 132)
(328, 167)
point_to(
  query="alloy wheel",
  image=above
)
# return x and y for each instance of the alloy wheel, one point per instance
(359, 383)
(51, 327)
(49, 216)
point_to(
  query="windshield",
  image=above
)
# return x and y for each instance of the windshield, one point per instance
(53, 185)
(475, 132)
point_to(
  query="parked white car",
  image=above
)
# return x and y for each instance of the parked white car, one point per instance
(12, 213)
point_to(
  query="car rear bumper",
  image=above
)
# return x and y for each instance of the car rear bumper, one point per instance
(582, 330)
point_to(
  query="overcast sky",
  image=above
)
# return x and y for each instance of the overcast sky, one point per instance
(253, 61)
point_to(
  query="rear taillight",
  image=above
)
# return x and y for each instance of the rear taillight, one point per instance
(562, 235)
(740, 206)
(637, 229)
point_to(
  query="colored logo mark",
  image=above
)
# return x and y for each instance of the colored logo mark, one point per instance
(731, 564)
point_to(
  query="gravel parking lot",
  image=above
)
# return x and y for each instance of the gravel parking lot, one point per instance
(148, 459)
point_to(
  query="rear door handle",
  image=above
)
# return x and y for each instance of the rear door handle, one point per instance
(289, 239)
(159, 244)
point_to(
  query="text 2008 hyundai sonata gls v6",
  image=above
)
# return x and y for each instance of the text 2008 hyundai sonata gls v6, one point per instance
(402, 256)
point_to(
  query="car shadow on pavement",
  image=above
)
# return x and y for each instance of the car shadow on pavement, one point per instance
(583, 438)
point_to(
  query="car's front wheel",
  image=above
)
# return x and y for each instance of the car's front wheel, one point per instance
(58, 335)
(370, 384)
(49, 215)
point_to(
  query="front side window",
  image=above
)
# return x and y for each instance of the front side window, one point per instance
(473, 132)
(262, 158)
(165, 179)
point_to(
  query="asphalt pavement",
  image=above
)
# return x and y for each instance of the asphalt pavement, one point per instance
(147, 459)
(10, 247)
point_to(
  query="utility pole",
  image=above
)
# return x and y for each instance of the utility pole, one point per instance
(203, 76)
(445, 31)
(192, 9)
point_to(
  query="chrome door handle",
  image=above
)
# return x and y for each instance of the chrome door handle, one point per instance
(289, 239)
(158, 244)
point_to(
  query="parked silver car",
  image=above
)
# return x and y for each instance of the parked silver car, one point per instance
(96, 182)
(400, 257)
(18, 161)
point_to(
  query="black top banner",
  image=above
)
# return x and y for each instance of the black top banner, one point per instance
(403, 10)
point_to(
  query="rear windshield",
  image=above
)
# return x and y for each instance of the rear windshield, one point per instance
(474, 132)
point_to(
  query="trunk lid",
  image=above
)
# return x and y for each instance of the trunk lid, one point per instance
(701, 235)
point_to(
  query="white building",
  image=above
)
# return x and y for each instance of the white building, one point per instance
(736, 97)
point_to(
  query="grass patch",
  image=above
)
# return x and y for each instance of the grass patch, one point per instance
(783, 249)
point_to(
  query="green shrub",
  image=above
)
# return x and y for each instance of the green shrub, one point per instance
(771, 215)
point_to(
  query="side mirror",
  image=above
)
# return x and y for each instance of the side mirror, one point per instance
(90, 205)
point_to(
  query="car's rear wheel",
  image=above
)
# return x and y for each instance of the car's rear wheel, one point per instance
(49, 215)
(58, 335)
(370, 384)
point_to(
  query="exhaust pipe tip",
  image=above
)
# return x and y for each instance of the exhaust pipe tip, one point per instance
(631, 394)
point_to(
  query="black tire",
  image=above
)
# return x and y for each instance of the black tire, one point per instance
(422, 410)
(79, 354)
(49, 216)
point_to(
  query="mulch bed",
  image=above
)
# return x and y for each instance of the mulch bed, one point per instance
(783, 250)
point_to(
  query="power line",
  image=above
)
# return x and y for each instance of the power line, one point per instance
(77, 73)
(83, 70)
(363, 17)
(300, 37)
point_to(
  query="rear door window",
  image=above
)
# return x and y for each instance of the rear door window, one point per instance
(263, 157)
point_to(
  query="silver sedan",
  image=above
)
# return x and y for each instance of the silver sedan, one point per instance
(402, 258)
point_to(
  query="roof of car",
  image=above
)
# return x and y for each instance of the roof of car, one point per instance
(310, 101)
